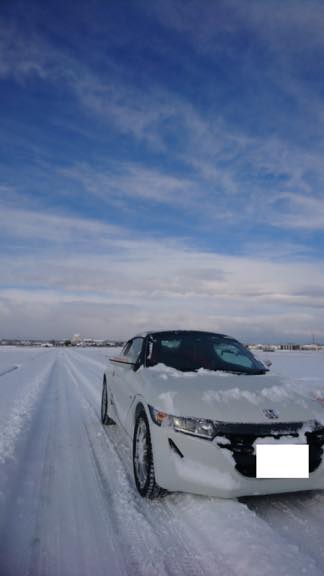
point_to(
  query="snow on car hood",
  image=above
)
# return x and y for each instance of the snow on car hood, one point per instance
(228, 397)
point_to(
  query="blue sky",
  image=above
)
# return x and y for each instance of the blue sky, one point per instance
(161, 164)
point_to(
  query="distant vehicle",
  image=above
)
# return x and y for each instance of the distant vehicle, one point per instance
(194, 405)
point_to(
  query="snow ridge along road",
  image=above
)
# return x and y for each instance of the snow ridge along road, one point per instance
(68, 506)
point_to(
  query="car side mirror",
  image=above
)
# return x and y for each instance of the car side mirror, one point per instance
(268, 363)
(123, 363)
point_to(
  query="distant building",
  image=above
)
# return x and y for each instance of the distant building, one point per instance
(290, 346)
(314, 347)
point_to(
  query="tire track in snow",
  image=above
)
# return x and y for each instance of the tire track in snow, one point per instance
(298, 518)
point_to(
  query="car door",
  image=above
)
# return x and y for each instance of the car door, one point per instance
(125, 378)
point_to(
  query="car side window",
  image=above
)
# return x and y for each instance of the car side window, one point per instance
(133, 351)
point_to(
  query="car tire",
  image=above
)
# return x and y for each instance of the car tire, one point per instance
(105, 418)
(143, 463)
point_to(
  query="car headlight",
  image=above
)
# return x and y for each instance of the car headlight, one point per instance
(193, 426)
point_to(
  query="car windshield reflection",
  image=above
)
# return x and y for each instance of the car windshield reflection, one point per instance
(190, 351)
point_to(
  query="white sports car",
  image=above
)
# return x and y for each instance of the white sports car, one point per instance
(195, 405)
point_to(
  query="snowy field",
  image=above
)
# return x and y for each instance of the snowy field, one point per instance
(68, 506)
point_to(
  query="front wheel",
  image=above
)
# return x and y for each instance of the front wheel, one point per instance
(105, 418)
(143, 459)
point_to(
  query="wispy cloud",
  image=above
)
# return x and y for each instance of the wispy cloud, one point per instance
(21, 57)
(135, 181)
(299, 211)
(276, 25)
(16, 223)
(223, 162)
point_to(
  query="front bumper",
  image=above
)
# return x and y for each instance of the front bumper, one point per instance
(188, 464)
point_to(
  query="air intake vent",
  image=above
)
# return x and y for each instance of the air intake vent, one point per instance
(243, 436)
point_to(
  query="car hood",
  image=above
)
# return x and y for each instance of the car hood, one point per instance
(226, 397)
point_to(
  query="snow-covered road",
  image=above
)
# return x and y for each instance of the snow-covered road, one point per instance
(68, 506)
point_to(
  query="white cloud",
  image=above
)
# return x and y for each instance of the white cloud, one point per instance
(289, 25)
(299, 211)
(44, 226)
(18, 57)
(129, 180)
(102, 281)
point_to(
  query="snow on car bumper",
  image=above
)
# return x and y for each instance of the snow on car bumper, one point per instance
(190, 464)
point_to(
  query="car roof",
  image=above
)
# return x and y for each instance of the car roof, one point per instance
(177, 331)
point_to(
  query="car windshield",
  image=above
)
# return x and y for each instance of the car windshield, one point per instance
(189, 351)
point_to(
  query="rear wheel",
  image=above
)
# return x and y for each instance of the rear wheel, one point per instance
(143, 459)
(105, 405)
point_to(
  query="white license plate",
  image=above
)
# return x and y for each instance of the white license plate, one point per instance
(282, 461)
